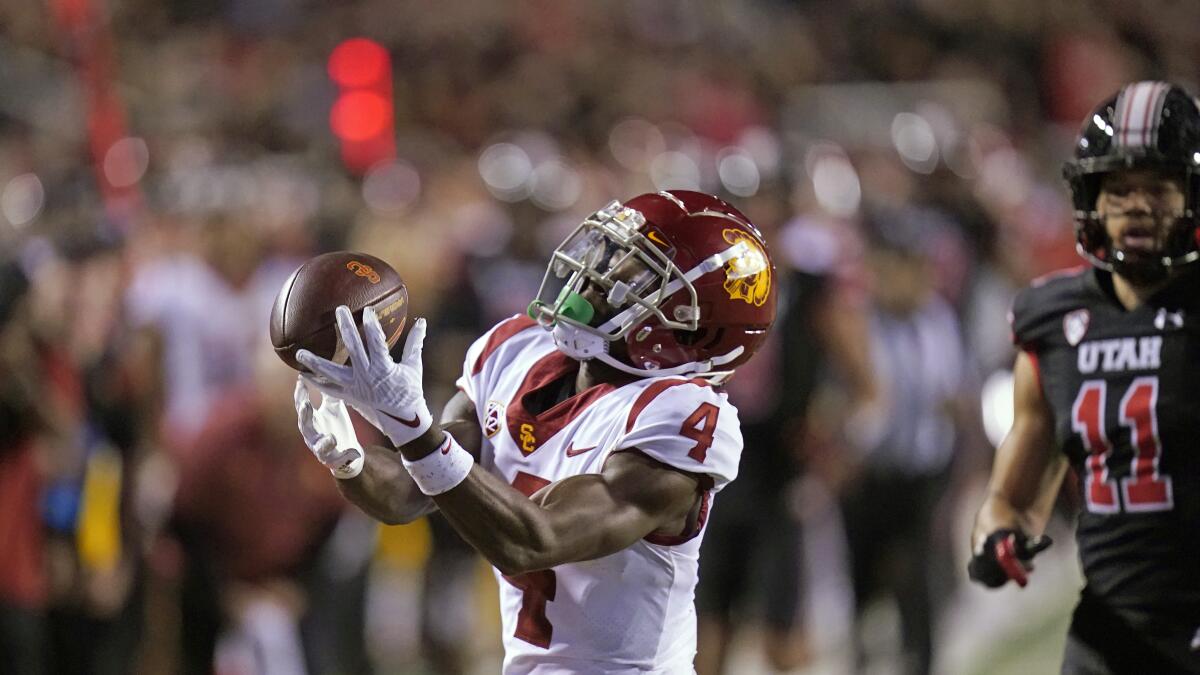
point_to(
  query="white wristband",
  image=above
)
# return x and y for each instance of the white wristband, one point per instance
(441, 470)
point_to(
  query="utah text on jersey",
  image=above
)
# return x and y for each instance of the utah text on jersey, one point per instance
(1123, 388)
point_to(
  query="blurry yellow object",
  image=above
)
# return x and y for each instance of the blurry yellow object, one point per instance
(98, 531)
(405, 546)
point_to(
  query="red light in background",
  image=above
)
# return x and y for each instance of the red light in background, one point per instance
(363, 117)
(359, 62)
(360, 116)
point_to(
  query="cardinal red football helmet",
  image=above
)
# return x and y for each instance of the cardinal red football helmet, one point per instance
(688, 279)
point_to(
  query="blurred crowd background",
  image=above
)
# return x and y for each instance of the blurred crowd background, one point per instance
(165, 164)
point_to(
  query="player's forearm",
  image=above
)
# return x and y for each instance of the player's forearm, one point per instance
(1025, 507)
(508, 529)
(384, 490)
(512, 532)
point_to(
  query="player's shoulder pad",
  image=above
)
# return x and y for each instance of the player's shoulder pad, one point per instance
(1038, 310)
(495, 338)
(688, 425)
(485, 348)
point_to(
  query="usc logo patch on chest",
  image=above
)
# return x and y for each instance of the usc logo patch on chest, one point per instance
(527, 440)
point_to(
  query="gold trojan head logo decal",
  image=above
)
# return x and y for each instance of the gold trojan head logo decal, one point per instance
(748, 276)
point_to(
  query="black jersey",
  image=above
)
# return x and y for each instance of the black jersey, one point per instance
(1124, 387)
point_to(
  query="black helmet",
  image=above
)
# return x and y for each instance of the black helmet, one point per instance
(1146, 125)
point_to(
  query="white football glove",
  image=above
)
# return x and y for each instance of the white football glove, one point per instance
(388, 394)
(329, 434)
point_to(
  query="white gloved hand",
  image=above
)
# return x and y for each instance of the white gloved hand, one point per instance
(329, 434)
(388, 394)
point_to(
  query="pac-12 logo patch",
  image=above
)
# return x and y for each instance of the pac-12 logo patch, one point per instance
(491, 419)
(1075, 325)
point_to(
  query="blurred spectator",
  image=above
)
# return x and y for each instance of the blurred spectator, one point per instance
(906, 441)
(256, 516)
(752, 555)
(23, 578)
(206, 304)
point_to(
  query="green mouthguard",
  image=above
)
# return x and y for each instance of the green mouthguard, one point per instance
(575, 307)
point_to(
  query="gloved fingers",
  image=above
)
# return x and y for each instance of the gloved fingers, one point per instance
(334, 407)
(377, 349)
(333, 391)
(1006, 556)
(328, 388)
(414, 345)
(981, 570)
(308, 427)
(334, 458)
(300, 394)
(1035, 545)
(350, 337)
(325, 368)
(326, 449)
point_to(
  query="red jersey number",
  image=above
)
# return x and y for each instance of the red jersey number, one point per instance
(537, 588)
(701, 426)
(1145, 489)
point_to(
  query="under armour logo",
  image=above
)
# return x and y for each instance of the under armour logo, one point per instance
(1196, 641)
(1165, 319)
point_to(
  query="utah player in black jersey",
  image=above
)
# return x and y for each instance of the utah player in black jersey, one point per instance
(1108, 383)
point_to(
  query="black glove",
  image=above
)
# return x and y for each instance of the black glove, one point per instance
(1006, 554)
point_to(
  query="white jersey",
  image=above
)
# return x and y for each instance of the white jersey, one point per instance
(632, 611)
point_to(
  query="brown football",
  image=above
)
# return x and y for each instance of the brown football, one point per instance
(303, 315)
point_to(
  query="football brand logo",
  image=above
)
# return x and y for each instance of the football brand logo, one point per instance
(1165, 320)
(657, 238)
(1075, 325)
(491, 419)
(573, 451)
(363, 270)
(748, 276)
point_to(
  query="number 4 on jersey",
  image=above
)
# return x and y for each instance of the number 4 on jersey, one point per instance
(537, 588)
(701, 426)
(1145, 489)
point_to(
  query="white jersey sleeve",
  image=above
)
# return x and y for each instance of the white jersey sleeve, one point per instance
(477, 377)
(688, 425)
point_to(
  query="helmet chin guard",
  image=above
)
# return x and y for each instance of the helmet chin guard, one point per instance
(578, 344)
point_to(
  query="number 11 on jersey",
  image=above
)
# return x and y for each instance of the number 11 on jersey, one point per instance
(1145, 489)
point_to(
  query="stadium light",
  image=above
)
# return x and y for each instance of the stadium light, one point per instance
(363, 116)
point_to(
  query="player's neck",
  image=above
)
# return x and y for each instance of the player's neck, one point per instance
(1132, 295)
(595, 372)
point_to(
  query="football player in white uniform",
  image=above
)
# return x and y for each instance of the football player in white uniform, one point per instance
(583, 450)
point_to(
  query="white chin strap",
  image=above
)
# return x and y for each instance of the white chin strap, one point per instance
(578, 343)
(583, 345)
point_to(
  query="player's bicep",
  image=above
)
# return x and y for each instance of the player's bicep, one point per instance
(1028, 464)
(595, 515)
